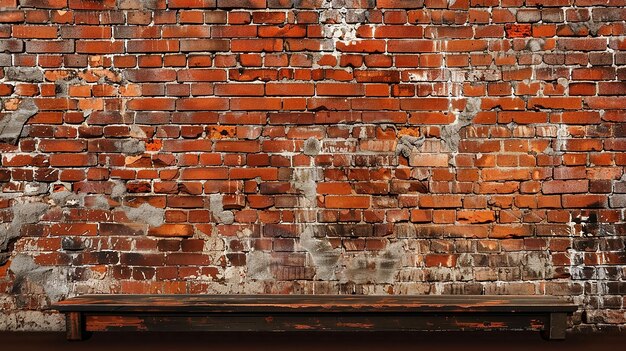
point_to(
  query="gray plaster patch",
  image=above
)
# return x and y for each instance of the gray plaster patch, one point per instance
(450, 133)
(23, 213)
(339, 26)
(5, 60)
(142, 4)
(535, 45)
(130, 146)
(119, 190)
(67, 199)
(305, 181)
(216, 204)
(145, 213)
(378, 269)
(24, 74)
(407, 144)
(35, 188)
(325, 257)
(406, 230)
(11, 125)
(538, 265)
(100, 202)
(137, 132)
(312, 147)
(49, 280)
(258, 264)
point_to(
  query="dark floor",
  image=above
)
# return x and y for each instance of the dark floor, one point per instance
(467, 341)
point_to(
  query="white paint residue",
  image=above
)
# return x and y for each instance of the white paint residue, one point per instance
(337, 28)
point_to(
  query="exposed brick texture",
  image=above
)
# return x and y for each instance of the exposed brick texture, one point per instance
(312, 146)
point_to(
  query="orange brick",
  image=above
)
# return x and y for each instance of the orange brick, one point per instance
(347, 201)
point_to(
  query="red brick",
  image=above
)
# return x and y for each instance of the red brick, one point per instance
(250, 146)
(565, 186)
(268, 17)
(234, 89)
(606, 103)
(398, 32)
(255, 104)
(72, 160)
(585, 201)
(582, 44)
(369, 46)
(256, 45)
(48, 47)
(511, 231)
(82, 229)
(85, 32)
(440, 201)
(518, 30)
(204, 173)
(202, 45)
(159, 46)
(594, 73)
(191, 4)
(247, 4)
(286, 31)
(172, 230)
(62, 145)
(386, 76)
(41, 32)
(44, 4)
(341, 201)
(465, 45)
(151, 104)
(565, 103)
(440, 260)
(150, 75)
(190, 31)
(399, 4)
(201, 75)
(413, 45)
(425, 104)
(429, 160)
(202, 104)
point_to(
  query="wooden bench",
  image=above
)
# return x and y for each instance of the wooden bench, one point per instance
(95, 313)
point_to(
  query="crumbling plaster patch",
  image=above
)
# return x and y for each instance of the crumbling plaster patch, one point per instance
(11, 125)
(216, 204)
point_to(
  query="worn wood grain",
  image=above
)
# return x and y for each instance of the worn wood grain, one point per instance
(314, 303)
(314, 312)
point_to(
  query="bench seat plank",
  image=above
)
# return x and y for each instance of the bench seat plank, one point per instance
(314, 303)
(89, 313)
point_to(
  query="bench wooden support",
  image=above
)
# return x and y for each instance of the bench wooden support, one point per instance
(95, 313)
(74, 326)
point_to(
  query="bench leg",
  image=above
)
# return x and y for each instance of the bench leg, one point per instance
(555, 330)
(74, 326)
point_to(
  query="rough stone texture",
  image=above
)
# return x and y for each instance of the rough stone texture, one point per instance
(353, 147)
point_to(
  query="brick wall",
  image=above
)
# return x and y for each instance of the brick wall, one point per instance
(312, 146)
